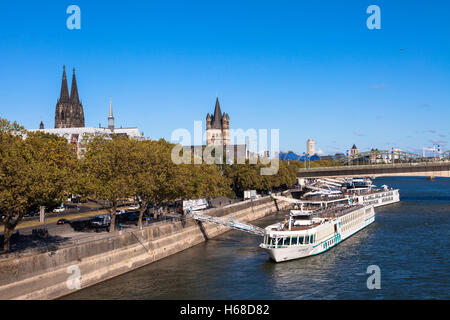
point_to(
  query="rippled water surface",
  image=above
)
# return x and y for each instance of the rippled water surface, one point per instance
(409, 241)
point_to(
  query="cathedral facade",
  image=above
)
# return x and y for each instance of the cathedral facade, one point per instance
(218, 127)
(69, 110)
(69, 120)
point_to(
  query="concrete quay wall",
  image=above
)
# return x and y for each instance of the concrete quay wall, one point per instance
(45, 275)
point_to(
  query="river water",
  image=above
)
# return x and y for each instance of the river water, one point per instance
(409, 242)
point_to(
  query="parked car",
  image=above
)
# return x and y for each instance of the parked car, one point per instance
(74, 199)
(63, 221)
(120, 211)
(103, 221)
(134, 207)
(133, 217)
(32, 213)
(40, 233)
(59, 210)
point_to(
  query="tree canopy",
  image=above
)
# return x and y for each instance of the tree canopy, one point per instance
(35, 170)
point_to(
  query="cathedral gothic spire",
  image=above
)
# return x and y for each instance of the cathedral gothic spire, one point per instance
(69, 110)
(64, 96)
(74, 90)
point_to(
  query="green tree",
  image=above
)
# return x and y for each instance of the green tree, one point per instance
(35, 170)
(108, 170)
(248, 177)
(155, 177)
(244, 177)
(158, 179)
(204, 180)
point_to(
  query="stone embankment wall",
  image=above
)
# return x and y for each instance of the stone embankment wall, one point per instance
(46, 275)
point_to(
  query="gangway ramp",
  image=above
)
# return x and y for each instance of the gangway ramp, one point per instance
(230, 222)
(281, 198)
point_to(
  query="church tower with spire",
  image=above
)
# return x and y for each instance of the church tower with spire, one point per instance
(218, 127)
(69, 110)
(110, 118)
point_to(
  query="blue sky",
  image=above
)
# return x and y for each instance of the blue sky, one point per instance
(309, 68)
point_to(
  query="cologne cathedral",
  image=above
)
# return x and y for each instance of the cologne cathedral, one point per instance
(69, 110)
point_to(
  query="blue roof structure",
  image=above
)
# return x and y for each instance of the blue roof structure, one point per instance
(289, 156)
(293, 156)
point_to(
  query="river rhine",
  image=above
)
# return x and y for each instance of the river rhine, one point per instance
(409, 241)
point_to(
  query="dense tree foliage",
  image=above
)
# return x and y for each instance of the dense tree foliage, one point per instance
(155, 177)
(320, 163)
(36, 169)
(248, 177)
(108, 164)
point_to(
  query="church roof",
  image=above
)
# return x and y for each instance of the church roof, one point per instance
(217, 117)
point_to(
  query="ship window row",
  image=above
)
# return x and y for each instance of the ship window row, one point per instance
(352, 217)
(330, 242)
(290, 241)
(352, 224)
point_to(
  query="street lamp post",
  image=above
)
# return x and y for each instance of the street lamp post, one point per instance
(304, 158)
(392, 156)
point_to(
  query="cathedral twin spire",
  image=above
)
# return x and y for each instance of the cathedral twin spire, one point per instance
(69, 110)
(64, 97)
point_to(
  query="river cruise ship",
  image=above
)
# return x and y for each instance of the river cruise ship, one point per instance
(359, 190)
(304, 234)
(366, 193)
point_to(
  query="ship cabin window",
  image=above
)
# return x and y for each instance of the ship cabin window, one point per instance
(294, 241)
(306, 239)
(300, 240)
(273, 241)
(311, 239)
(287, 241)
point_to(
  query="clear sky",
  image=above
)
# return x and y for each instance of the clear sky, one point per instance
(309, 68)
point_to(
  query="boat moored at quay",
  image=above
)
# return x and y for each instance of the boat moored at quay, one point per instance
(331, 211)
(304, 234)
(366, 193)
(359, 190)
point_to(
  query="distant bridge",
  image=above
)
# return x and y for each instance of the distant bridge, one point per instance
(417, 169)
(384, 156)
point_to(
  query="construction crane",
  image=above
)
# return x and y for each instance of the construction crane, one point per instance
(230, 222)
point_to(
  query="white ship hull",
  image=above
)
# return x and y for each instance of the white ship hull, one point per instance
(380, 198)
(342, 228)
